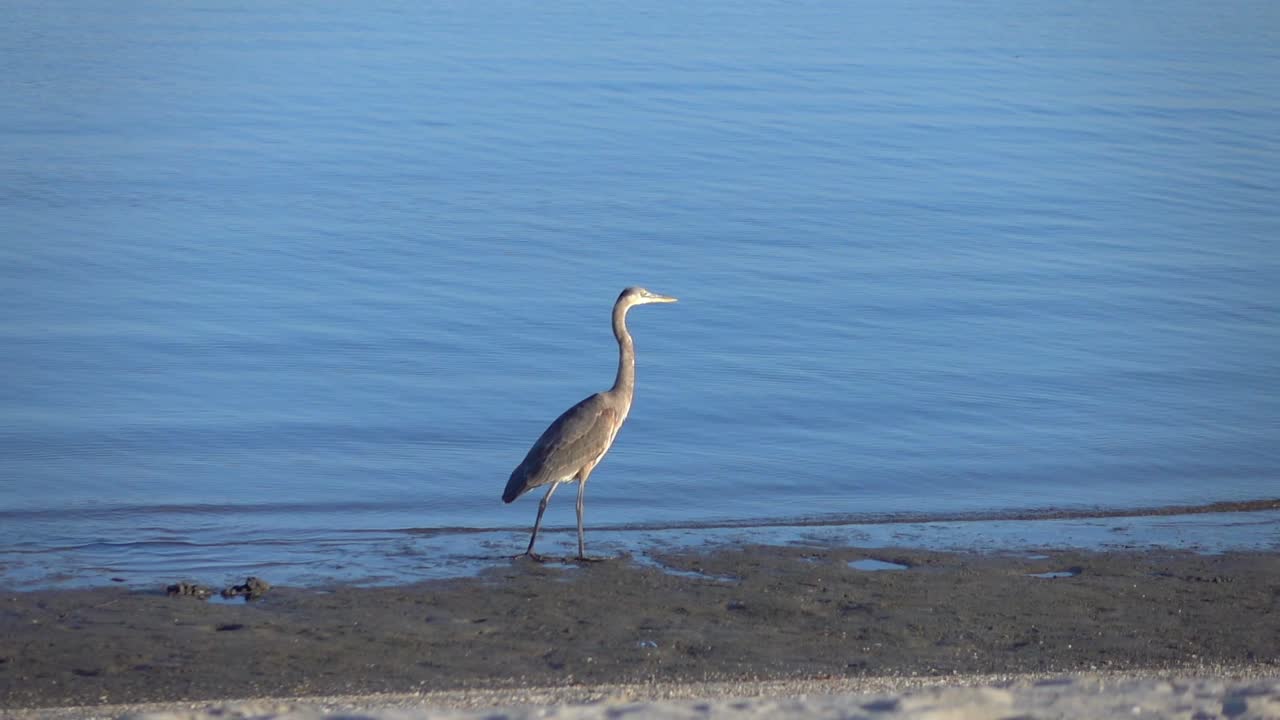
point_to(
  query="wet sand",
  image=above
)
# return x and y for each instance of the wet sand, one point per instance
(750, 614)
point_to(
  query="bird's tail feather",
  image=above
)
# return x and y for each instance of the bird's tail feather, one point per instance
(515, 487)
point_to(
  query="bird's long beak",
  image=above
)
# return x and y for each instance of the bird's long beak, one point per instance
(656, 298)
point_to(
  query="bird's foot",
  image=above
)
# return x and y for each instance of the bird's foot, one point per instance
(589, 559)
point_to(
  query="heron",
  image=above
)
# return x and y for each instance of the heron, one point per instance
(576, 442)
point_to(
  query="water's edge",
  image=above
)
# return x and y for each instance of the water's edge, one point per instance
(323, 557)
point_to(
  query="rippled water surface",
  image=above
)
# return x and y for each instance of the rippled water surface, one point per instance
(275, 277)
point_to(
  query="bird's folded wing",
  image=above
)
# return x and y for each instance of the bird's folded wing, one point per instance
(577, 438)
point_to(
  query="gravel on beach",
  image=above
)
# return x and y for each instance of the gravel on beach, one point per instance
(1079, 697)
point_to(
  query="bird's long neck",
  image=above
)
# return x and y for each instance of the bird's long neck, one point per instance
(625, 382)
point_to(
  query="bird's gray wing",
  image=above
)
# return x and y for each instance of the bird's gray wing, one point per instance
(579, 436)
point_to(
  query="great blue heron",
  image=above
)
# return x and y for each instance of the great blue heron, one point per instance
(574, 444)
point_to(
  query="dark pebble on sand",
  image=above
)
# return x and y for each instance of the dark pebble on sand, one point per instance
(186, 589)
(252, 589)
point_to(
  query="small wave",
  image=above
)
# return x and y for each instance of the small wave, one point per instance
(113, 511)
(835, 520)
(887, 519)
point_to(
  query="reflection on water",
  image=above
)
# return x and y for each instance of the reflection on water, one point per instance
(872, 565)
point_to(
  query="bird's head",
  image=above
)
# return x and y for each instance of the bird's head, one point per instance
(641, 296)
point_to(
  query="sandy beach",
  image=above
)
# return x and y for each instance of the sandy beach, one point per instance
(1079, 696)
(745, 616)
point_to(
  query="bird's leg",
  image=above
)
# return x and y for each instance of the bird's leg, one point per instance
(582, 490)
(542, 507)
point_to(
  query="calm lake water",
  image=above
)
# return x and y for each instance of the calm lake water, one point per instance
(291, 290)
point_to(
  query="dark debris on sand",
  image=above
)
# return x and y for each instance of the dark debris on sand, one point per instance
(251, 589)
(188, 589)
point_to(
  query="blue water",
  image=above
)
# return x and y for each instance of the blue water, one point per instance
(273, 275)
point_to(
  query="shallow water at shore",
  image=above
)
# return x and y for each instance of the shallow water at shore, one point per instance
(392, 556)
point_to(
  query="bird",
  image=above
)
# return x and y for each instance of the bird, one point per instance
(571, 447)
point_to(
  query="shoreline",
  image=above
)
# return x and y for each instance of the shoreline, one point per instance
(754, 614)
(404, 556)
